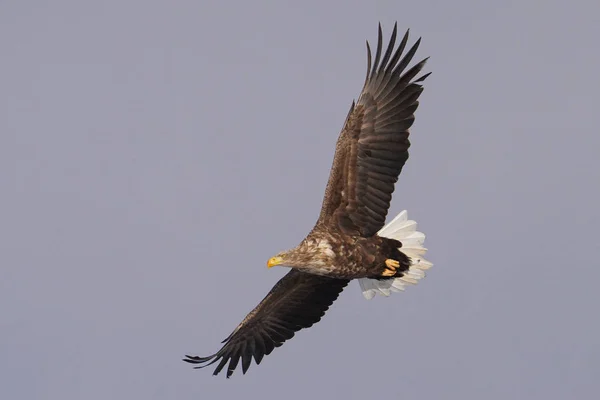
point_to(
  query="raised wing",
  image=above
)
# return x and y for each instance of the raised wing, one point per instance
(373, 145)
(297, 301)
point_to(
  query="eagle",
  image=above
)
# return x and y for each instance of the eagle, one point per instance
(349, 240)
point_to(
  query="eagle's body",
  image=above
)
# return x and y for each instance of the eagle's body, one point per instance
(349, 240)
(336, 255)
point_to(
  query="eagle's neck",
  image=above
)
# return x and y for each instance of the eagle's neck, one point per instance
(312, 255)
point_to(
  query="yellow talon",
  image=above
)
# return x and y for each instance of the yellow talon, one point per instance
(391, 266)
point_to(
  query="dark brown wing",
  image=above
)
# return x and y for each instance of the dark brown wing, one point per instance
(373, 145)
(297, 301)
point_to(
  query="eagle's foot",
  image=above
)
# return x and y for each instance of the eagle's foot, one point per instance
(390, 267)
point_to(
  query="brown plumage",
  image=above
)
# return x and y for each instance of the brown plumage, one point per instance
(370, 153)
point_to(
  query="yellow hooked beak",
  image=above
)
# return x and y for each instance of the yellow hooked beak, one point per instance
(273, 261)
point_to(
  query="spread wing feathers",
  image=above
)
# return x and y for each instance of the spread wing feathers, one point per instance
(297, 301)
(373, 145)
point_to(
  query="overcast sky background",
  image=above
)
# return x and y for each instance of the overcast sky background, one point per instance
(154, 155)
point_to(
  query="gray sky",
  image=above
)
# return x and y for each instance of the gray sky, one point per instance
(154, 155)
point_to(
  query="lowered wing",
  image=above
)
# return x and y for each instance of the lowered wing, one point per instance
(297, 301)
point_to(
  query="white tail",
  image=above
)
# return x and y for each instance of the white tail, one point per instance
(405, 231)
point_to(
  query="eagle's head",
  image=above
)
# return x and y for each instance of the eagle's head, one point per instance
(309, 253)
(282, 258)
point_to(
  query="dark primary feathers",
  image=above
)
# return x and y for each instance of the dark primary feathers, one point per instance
(297, 301)
(370, 153)
(373, 145)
